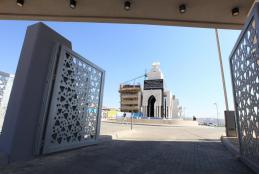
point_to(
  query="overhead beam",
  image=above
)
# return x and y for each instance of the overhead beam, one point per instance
(199, 13)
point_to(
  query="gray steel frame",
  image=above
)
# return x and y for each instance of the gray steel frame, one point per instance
(243, 82)
(51, 95)
(39, 142)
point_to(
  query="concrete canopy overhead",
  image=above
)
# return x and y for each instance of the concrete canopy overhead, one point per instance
(199, 13)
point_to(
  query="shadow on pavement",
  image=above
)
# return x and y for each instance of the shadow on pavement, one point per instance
(137, 157)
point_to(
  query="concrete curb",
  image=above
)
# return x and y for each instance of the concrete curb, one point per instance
(235, 151)
(151, 124)
(101, 139)
(121, 134)
(104, 138)
(230, 147)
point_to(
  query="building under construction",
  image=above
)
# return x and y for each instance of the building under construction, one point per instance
(130, 97)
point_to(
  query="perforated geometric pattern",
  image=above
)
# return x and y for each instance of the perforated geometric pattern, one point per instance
(245, 75)
(74, 110)
(3, 82)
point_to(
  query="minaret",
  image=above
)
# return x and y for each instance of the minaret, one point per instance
(155, 72)
(152, 102)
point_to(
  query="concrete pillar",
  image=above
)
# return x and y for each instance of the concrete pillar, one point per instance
(24, 119)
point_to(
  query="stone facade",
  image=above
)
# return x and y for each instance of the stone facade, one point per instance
(158, 102)
(157, 94)
(154, 100)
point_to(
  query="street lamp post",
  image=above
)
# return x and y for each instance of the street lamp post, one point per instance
(131, 122)
(217, 113)
(222, 70)
(184, 112)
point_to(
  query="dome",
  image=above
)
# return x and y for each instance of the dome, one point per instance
(155, 72)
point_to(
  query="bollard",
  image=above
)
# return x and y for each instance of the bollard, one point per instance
(131, 126)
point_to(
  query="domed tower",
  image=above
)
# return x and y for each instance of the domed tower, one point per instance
(157, 101)
(152, 103)
(155, 72)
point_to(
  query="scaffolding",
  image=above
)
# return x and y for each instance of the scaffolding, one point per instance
(130, 98)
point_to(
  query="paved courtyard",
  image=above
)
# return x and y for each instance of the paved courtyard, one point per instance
(146, 150)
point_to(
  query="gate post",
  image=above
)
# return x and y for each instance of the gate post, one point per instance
(23, 115)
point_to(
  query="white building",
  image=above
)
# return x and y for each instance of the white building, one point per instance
(157, 101)
(6, 83)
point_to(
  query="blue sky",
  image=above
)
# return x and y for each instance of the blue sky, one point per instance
(188, 57)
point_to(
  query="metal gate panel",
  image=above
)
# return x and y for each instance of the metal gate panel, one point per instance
(3, 82)
(4, 79)
(244, 64)
(74, 113)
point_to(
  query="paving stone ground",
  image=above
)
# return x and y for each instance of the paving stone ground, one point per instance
(138, 153)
